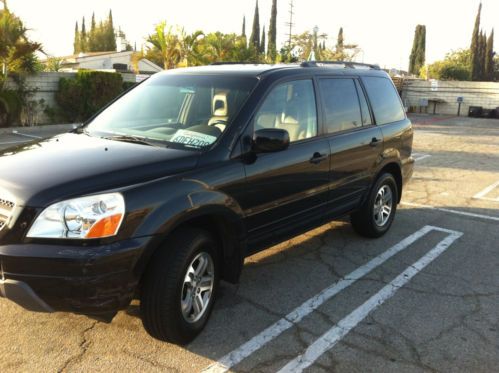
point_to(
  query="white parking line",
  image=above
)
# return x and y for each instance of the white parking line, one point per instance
(419, 156)
(239, 354)
(486, 191)
(443, 209)
(25, 135)
(329, 339)
(12, 142)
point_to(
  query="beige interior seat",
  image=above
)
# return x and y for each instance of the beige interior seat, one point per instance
(293, 127)
(220, 110)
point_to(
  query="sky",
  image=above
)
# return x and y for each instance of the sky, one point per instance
(384, 29)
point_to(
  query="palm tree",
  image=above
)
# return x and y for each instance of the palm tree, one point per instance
(168, 43)
(17, 52)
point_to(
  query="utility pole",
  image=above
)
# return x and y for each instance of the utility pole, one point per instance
(290, 24)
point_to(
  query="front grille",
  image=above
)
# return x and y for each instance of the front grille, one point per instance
(6, 211)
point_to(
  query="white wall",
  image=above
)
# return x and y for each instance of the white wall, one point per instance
(485, 94)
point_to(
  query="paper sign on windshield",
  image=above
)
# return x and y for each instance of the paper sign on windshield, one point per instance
(194, 139)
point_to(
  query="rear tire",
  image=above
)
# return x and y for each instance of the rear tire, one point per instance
(176, 300)
(375, 216)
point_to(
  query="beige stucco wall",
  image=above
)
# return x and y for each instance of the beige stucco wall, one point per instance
(44, 86)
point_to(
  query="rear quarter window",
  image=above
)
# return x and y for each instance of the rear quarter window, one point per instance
(385, 100)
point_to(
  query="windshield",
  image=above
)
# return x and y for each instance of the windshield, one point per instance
(186, 111)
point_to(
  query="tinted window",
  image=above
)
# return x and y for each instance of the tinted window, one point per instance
(366, 115)
(385, 100)
(290, 106)
(341, 104)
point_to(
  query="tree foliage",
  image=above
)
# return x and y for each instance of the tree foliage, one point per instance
(482, 52)
(272, 43)
(455, 66)
(302, 45)
(100, 38)
(255, 31)
(417, 58)
(17, 52)
(475, 47)
(81, 97)
(489, 58)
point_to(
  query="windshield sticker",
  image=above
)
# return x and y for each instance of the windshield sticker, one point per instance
(194, 139)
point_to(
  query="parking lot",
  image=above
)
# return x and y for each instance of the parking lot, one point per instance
(425, 297)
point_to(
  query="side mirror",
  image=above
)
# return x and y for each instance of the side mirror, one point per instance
(270, 140)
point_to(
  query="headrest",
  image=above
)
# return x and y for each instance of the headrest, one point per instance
(220, 107)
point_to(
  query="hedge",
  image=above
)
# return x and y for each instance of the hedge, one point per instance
(81, 97)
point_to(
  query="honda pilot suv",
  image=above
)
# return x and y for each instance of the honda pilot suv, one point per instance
(165, 192)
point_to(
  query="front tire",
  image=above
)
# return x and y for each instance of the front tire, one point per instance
(376, 215)
(180, 286)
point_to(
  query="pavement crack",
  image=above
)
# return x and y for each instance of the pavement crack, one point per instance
(84, 345)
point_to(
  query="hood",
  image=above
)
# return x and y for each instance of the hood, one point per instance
(71, 165)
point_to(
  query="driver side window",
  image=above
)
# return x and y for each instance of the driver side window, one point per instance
(290, 106)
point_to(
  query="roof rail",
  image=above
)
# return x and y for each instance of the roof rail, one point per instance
(346, 64)
(236, 63)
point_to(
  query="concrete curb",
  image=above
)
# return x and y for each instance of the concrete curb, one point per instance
(39, 129)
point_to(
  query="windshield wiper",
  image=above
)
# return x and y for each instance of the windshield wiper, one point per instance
(130, 138)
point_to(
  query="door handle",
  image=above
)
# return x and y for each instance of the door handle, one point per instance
(374, 142)
(318, 158)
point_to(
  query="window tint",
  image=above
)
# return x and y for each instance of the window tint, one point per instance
(366, 115)
(341, 104)
(290, 106)
(385, 100)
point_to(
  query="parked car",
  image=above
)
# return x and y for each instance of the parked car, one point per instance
(169, 188)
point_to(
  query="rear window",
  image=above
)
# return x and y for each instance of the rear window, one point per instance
(385, 100)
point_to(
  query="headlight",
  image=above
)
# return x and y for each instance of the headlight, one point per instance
(81, 218)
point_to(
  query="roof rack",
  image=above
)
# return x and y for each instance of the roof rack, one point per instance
(236, 63)
(346, 64)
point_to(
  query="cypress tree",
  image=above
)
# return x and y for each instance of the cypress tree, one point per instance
(76, 43)
(262, 42)
(111, 38)
(83, 37)
(483, 50)
(341, 41)
(475, 47)
(272, 47)
(243, 32)
(417, 58)
(489, 58)
(92, 47)
(255, 32)
(421, 53)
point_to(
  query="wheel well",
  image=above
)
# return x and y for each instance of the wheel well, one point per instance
(227, 233)
(394, 169)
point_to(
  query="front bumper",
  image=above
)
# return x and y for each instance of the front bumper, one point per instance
(90, 280)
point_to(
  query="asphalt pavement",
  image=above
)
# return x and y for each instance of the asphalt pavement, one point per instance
(425, 297)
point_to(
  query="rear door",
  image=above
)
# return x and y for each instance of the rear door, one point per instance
(356, 143)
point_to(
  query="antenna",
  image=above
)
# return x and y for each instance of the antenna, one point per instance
(290, 24)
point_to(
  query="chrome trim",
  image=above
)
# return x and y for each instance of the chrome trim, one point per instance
(7, 207)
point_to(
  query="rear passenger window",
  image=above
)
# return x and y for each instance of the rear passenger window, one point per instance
(341, 104)
(290, 106)
(385, 100)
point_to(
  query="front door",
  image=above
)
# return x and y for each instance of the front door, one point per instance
(287, 190)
